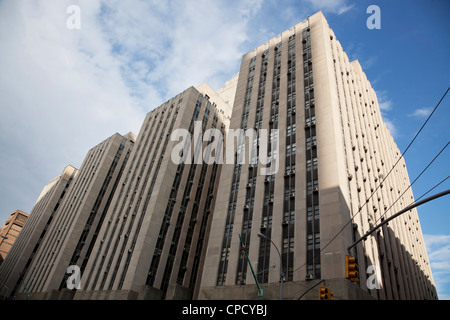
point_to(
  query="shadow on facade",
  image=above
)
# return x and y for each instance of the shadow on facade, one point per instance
(398, 275)
(401, 275)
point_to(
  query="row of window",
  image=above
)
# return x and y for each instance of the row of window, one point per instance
(269, 186)
(252, 175)
(290, 152)
(130, 198)
(288, 224)
(77, 194)
(364, 157)
(93, 214)
(42, 235)
(229, 222)
(312, 183)
(168, 214)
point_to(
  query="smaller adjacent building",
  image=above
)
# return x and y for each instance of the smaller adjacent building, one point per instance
(10, 231)
(28, 242)
(64, 223)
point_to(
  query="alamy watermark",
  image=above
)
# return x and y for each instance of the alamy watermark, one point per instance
(374, 21)
(74, 281)
(258, 153)
(374, 277)
(73, 22)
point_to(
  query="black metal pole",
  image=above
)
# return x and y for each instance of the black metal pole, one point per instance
(443, 193)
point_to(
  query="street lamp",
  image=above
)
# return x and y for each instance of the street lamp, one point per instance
(281, 263)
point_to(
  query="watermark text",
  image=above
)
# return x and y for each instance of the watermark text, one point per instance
(73, 22)
(74, 281)
(235, 147)
(374, 21)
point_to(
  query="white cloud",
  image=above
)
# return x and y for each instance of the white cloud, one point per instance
(385, 105)
(444, 296)
(391, 126)
(334, 6)
(438, 250)
(421, 112)
(433, 240)
(384, 102)
(61, 93)
(179, 43)
(64, 91)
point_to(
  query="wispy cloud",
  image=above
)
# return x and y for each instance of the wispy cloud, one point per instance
(63, 91)
(421, 112)
(438, 250)
(391, 126)
(334, 6)
(178, 43)
(385, 104)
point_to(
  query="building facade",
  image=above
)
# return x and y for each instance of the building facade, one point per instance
(64, 233)
(10, 231)
(21, 255)
(75, 227)
(152, 243)
(335, 181)
(194, 207)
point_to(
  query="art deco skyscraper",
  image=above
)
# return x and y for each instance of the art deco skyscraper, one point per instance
(74, 229)
(334, 182)
(16, 264)
(71, 225)
(151, 245)
(140, 224)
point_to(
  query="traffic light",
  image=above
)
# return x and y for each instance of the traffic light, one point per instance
(325, 293)
(351, 269)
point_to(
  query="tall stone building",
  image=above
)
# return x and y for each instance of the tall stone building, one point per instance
(181, 211)
(334, 182)
(74, 229)
(153, 240)
(18, 261)
(71, 225)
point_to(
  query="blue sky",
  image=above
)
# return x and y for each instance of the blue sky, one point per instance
(64, 91)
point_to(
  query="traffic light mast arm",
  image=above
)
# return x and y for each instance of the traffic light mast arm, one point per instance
(443, 193)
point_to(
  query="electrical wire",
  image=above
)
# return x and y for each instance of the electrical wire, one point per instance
(437, 185)
(381, 183)
(429, 164)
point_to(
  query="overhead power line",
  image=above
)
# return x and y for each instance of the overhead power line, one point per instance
(437, 185)
(381, 183)
(429, 164)
(409, 187)
(443, 193)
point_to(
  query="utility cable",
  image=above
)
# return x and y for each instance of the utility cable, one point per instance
(437, 185)
(381, 183)
(429, 164)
